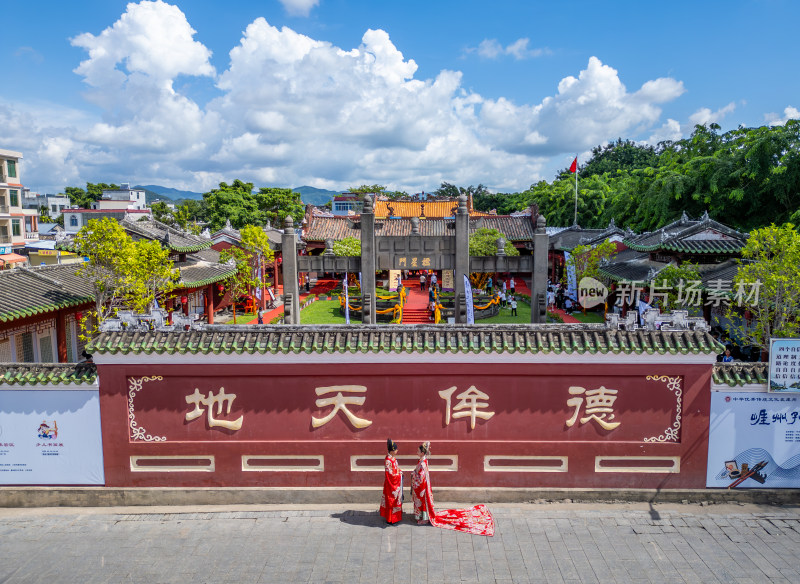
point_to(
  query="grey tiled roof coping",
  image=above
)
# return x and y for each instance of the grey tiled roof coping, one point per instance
(531, 339)
(35, 374)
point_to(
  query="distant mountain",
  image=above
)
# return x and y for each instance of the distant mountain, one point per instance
(170, 193)
(315, 196)
(309, 195)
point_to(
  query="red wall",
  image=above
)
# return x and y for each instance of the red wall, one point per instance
(277, 403)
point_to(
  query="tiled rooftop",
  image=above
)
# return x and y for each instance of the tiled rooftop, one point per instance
(26, 292)
(532, 339)
(47, 374)
(337, 228)
(739, 374)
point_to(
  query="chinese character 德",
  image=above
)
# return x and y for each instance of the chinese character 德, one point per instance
(340, 403)
(467, 406)
(599, 403)
(426, 262)
(199, 399)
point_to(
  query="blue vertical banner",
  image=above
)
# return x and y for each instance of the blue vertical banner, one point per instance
(572, 284)
(468, 300)
(346, 300)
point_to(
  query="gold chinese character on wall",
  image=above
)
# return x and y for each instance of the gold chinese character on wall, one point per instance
(209, 402)
(340, 403)
(468, 405)
(413, 262)
(401, 262)
(599, 406)
(426, 262)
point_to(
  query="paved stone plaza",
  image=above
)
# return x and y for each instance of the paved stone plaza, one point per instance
(568, 543)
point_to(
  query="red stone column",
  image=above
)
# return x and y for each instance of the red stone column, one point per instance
(61, 336)
(210, 303)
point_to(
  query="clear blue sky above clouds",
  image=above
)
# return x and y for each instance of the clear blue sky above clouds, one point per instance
(336, 93)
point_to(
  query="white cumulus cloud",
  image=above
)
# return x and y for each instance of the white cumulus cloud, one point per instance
(296, 110)
(705, 116)
(299, 7)
(492, 49)
(789, 113)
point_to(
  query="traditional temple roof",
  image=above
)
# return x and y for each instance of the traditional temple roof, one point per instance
(568, 238)
(337, 228)
(234, 235)
(29, 291)
(700, 236)
(631, 266)
(171, 238)
(47, 374)
(423, 208)
(530, 339)
(199, 273)
(740, 374)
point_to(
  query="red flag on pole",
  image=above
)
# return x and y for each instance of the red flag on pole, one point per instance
(574, 166)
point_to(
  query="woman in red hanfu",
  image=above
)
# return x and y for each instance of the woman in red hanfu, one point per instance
(476, 520)
(392, 497)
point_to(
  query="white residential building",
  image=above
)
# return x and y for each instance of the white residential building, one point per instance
(122, 198)
(18, 226)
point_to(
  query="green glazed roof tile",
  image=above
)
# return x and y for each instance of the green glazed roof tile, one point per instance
(740, 373)
(36, 374)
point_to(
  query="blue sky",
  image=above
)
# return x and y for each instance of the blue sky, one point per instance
(335, 93)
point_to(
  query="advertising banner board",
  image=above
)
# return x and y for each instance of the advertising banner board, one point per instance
(784, 365)
(754, 441)
(50, 437)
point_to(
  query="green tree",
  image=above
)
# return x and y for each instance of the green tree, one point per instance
(149, 276)
(622, 155)
(770, 264)
(673, 278)
(123, 274)
(365, 189)
(161, 212)
(85, 197)
(235, 202)
(275, 204)
(44, 214)
(483, 242)
(347, 247)
(587, 259)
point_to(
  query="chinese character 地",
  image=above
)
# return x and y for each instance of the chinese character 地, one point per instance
(599, 403)
(199, 399)
(340, 403)
(468, 406)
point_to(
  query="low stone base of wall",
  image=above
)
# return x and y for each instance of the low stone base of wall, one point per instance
(112, 497)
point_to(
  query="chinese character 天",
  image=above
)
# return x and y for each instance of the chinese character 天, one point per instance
(599, 406)
(340, 401)
(199, 399)
(468, 405)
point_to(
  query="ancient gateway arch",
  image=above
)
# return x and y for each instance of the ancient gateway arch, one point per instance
(412, 246)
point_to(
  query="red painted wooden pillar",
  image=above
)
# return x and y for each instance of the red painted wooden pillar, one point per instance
(61, 336)
(210, 303)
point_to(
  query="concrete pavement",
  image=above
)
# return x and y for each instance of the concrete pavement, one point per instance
(551, 542)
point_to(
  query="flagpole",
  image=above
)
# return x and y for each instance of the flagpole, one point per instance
(575, 221)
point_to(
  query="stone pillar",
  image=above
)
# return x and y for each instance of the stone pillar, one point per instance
(368, 262)
(291, 289)
(539, 276)
(462, 258)
(210, 303)
(61, 336)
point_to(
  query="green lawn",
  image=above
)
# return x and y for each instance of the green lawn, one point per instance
(523, 316)
(589, 317)
(244, 317)
(322, 312)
